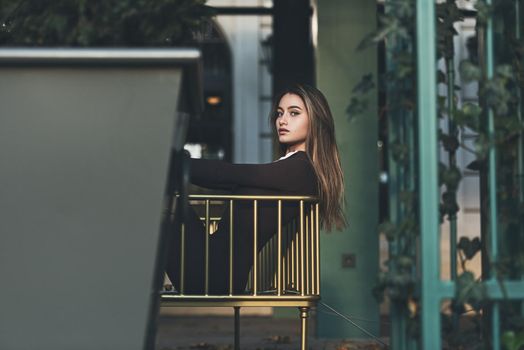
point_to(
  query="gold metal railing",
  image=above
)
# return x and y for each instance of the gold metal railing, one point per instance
(286, 266)
(285, 271)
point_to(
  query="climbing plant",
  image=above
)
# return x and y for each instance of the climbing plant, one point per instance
(500, 95)
(100, 23)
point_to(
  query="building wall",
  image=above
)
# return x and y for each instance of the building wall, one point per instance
(341, 26)
(251, 82)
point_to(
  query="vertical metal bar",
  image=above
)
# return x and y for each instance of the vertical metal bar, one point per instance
(288, 258)
(492, 161)
(266, 277)
(271, 256)
(283, 259)
(267, 256)
(237, 327)
(207, 248)
(297, 261)
(304, 314)
(313, 251)
(310, 251)
(271, 273)
(401, 242)
(279, 249)
(306, 255)
(452, 159)
(301, 244)
(492, 178)
(317, 253)
(452, 162)
(182, 256)
(269, 270)
(293, 256)
(255, 238)
(410, 244)
(265, 266)
(393, 186)
(231, 245)
(428, 155)
(520, 149)
(495, 326)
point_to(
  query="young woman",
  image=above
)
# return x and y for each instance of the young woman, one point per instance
(309, 165)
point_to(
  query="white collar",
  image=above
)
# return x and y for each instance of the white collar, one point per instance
(289, 154)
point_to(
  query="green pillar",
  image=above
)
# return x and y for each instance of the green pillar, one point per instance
(341, 26)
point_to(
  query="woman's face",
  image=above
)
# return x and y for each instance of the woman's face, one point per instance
(292, 122)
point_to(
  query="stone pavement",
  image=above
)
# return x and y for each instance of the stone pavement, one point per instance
(256, 333)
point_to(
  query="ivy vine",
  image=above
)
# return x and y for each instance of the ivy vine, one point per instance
(500, 94)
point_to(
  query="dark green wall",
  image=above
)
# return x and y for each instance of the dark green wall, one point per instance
(341, 26)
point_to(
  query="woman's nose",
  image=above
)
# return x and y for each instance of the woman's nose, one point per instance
(282, 120)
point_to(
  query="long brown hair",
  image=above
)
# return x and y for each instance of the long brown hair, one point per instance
(321, 147)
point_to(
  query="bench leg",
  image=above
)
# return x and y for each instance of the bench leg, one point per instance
(304, 315)
(237, 327)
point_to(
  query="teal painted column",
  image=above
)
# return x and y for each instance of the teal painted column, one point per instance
(428, 178)
(341, 26)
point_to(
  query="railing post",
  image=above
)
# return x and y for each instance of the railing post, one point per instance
(317, 250)
(520, 150)
(428, 155)
(255, 239)
(301, 244)
(206, 290)
(279, 249)
(310, 251)
(492, 185)
(182, 256)
(397, 316)
(231, 247)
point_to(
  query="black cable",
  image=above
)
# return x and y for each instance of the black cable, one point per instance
(377, 339)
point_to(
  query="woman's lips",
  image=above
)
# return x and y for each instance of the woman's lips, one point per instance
(282, 131)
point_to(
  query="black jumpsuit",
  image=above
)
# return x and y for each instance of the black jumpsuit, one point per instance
(293, 175)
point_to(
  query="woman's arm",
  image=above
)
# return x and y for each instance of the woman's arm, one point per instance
(293, 174)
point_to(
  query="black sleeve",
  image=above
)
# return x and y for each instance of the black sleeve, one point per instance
(294, 174)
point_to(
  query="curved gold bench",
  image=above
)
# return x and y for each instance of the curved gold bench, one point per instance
(285, 272)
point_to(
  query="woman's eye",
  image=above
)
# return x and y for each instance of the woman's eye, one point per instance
(294, 113)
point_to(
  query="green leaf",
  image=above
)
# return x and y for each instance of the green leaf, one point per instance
(505, 71)
(400, 152)
(404, 262)
(469, 71)
(469, 291)
(482, 146)
(449, 142)
(475, 165)
(365, 84)
(484, 11)
(387, 26)
(356, 107)
(469, 247)
(512, 341)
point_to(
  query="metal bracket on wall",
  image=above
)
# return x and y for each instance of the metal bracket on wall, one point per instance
(349, 260)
